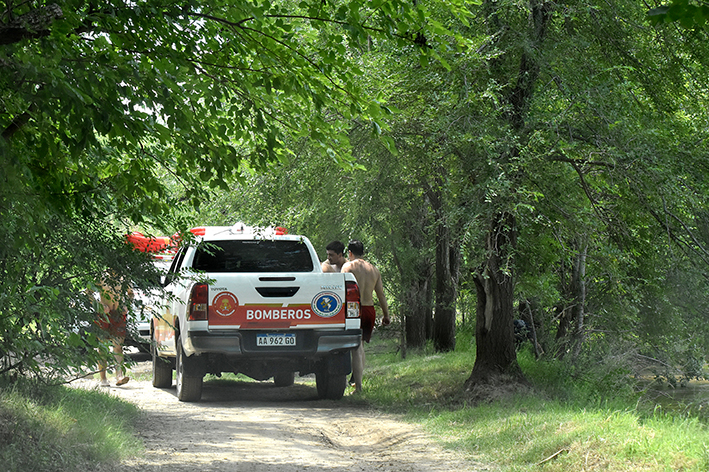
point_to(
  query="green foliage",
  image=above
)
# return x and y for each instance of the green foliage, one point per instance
(116, 114)
(687, 13)
(48, 285)
(212, 84)
(602, 379)
(600, 161)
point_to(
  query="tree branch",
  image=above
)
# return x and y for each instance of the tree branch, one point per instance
(696, 249)
(575, 162)
(16, 125)
(587, 191)
(33, 24)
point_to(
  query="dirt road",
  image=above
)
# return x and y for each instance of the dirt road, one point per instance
(256, 427)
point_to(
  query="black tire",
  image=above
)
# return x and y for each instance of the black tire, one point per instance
(284, 379)
(162, 369)
(330, 386)
(189, 387)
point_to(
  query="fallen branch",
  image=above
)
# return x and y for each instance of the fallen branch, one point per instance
(553, 456)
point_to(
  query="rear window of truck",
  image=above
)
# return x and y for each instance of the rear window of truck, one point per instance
(253, 256)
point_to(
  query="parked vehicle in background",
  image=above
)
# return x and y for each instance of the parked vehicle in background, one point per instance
(254, 301)
(145, 301)
(146, 306)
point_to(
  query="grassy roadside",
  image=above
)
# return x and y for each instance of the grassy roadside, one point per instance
(596, 424)
(592, 425)
(45, 428)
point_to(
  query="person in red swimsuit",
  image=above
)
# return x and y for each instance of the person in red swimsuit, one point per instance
(369, 281)
(111, 320)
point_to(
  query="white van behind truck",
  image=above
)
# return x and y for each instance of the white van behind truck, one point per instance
(146, 303)
(254, 301)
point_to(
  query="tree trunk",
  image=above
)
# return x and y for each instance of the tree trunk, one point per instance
(447, 264)
(447, 270)
(417, 309)
(578, 310)
(494, 331)
(562, 331)
(429, 310)
(416, 274)
(529, 313)
(571, 331)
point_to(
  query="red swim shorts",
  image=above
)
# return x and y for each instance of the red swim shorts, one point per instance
(367, 317)
(114, 324)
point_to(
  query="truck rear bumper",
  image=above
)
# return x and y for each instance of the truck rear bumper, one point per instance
(308, 342)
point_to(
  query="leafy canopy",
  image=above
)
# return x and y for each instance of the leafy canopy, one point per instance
(688, 13)
(192, 88)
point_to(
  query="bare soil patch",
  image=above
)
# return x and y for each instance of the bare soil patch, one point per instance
(257, 427)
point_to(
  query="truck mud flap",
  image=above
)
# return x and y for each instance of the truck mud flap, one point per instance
(195, 366)
(339, 363)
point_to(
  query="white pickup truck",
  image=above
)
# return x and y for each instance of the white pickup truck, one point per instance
(254, 301)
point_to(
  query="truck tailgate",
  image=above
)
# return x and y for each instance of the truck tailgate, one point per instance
(283, 301)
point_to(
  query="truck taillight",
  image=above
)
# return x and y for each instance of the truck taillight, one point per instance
(352, 299)
(199, 302)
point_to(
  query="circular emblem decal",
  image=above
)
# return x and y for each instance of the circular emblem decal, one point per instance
(326, 304)
(225, 304)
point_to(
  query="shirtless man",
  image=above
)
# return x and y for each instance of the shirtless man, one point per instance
(335, 257)
(369, 280)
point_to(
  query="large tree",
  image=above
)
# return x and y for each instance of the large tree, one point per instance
(588, 99)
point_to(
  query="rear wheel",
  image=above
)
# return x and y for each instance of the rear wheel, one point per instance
(330, 386)
(284, 379)
(189, 383)
(162, 369)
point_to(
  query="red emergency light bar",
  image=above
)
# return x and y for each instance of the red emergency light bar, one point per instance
(238, 228)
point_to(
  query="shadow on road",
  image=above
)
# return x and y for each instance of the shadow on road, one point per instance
(223, 392)
(240, 391)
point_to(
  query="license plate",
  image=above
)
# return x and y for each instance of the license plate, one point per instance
(275, 340)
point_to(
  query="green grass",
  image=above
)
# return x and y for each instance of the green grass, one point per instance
(54, 428)
(595, 422)
(598, 423)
